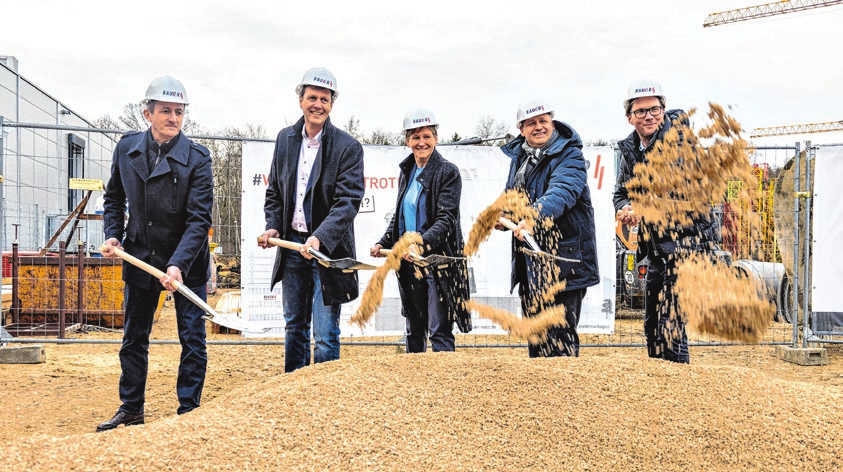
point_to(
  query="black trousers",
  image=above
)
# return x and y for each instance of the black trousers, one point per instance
(561, 340)
(663, 328)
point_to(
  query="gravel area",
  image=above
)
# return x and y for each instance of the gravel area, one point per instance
(471, 410)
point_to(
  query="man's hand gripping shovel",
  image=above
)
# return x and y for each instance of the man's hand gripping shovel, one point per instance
(231, 322)
(534, 250)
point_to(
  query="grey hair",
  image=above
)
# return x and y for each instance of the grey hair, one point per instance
(627, 104)
(409, 132)
(521, 123)
(300, 88)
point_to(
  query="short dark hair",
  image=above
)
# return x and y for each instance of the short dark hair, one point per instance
(628, 104)
(150, 105)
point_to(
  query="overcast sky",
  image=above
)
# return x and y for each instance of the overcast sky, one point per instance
(240, 61)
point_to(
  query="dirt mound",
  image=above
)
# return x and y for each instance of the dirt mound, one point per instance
(458, 411)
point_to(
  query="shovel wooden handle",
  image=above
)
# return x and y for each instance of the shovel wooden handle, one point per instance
(140, 264)
(511, 226)
(524, 233)
(296, 247)
(285, 244)
(413, 255)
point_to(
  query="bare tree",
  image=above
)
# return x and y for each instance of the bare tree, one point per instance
(380, 136)
(132, 119)
(601, 142)
(488, 128)
(227, 165)
(352, 127)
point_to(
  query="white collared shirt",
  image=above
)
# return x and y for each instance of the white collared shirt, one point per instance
(307, 156)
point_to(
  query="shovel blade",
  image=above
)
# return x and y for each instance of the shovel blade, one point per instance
(347, 264)
(546, 255)
(236, 323)
(437, 259)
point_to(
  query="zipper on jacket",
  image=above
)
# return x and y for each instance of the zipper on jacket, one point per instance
(175, 188)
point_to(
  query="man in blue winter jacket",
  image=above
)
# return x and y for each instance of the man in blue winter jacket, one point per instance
(663, 328)
(167, 181)
(548, 165)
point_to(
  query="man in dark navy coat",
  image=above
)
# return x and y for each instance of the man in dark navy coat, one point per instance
(664, 331)
(167, 181)
(314, 191)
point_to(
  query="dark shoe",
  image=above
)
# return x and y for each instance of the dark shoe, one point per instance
(121, 417)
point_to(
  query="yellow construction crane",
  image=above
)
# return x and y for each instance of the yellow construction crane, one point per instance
(797, 129)
(767, 9)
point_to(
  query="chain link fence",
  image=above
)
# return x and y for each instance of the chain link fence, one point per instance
(57, 230)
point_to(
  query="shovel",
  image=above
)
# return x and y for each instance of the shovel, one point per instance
(534, 249)
(431, 260)
(345, 264)
(212, 316)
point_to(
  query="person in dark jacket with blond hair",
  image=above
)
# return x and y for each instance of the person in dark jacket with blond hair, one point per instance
(429, 193)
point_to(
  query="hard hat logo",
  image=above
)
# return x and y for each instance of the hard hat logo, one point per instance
(645, 90)
(166, 89)
(318, 77)
(531, 108)
(419, 118)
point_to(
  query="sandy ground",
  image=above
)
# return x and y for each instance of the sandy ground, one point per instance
(77, 387)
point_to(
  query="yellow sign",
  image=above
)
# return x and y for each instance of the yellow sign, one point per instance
(86, 184)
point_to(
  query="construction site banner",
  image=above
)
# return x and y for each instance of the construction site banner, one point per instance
(483, 170)
(827, 219)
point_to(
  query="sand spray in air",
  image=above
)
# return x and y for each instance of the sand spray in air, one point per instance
(373, 296)
(684, 175)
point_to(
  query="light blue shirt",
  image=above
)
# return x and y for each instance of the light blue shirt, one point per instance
(410, 204)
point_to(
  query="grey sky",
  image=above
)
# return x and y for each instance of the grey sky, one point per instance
(240, 61)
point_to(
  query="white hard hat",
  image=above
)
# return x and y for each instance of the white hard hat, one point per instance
(319, 77)
(166, 89)
(531, 108)
(643, 88)
(419, 118)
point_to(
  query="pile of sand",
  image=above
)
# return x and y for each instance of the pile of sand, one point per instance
(459, 411)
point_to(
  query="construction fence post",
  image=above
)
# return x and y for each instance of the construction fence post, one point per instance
(806, 285)
(795, 307)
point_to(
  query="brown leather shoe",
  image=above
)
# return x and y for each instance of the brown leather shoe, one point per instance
(121, 417)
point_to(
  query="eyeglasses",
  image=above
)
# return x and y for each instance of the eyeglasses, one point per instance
(642, 112)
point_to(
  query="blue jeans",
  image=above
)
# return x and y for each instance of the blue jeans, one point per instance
(301, 293)
(134, 353)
